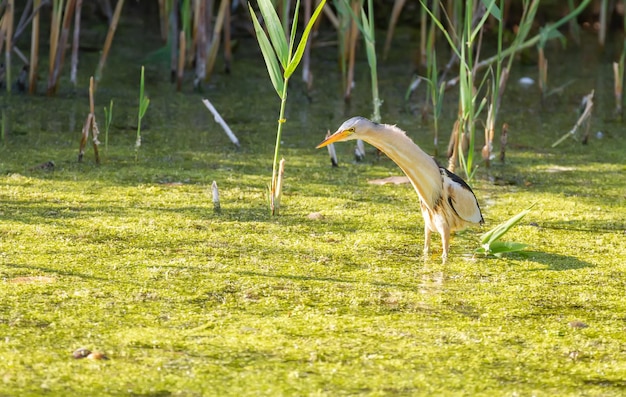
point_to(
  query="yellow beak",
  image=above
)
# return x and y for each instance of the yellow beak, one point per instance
(336, 137)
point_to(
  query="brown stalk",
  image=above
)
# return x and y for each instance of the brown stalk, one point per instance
(618, 88)
(182, 45)
(353, 34)
(393, 21)
(109, 39)
(57, 9)
(503, 141)
(215, 41)
(306, 58)
(62, 45)
(75, 41)
(34, 50)
(163, 19)
(543, 72)
(201, 47)
(173, 35)
(228, 54)
(90, 126)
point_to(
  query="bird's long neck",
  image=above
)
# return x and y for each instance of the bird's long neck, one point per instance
(418, 166)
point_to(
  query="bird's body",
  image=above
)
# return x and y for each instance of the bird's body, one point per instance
(447, 202)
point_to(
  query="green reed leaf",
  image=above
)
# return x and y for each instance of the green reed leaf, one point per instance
(275, 31)
(271, 62)
(297, 56)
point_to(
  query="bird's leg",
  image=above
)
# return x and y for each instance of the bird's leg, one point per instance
(427, 233)
(445, 243)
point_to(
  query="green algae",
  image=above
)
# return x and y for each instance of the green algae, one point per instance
(130, 259)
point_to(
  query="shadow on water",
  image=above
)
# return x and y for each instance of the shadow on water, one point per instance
(63, 273)
(552, 261)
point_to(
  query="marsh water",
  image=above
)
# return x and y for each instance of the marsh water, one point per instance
(246, 100)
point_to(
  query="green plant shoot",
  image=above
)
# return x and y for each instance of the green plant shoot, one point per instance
(281, 61)
(144, 102)
(108, 117)
(490, 241)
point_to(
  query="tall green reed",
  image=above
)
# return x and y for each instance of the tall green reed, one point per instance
(462, 34)
(281, 61)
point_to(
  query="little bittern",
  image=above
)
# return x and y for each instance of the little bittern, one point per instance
(447, 202)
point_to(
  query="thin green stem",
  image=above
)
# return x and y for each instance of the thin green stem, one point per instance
(279, 130)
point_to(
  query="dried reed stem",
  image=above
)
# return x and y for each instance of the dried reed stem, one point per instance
(503, 141)
(59, 56)
(75, 41)
(585, 116)
(90, 126)
(109, 39)
(216, 38)
(173, 38)
(163, 19)
(218, 119)
(57, 10)
(34, 50)
(228, 51)
(618, 81)
(182, 45)
(398, 5)
(201, 47)
(352, 34)
(306, 58)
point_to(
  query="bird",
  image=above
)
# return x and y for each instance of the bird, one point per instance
(446, 200)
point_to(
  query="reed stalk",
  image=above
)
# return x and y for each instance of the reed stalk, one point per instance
(9, 14)
(216, 38)
(398, 5)
(75, 41)
(163, 18)
(90, 126)
(173, 39)
(585, 117)
(307, 77)
(3, 129)
(186, 22)
(618, 79)
(604, 10)
(201, 43)
(180, 68)
(55, 23)
(351, 43)
(504, 136)
(59, 56)
(34, 50)
(228, 51)
(108, 118)
(109, 39)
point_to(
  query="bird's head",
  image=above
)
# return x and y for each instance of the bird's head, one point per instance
(354, 128)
